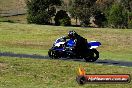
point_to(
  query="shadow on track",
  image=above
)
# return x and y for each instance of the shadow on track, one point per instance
(34, 56)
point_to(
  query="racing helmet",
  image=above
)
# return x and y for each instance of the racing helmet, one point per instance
(72, 34)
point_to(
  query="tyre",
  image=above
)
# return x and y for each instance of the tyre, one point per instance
(93, 56)
(52, 54)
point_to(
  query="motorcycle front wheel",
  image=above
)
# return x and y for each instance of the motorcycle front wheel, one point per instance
(52, 54)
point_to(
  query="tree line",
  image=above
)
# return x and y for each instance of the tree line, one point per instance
(106, 13)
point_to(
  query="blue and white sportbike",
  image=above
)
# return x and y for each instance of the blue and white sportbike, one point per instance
(65, 49)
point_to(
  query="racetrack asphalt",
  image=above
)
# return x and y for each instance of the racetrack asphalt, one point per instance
(34, 56)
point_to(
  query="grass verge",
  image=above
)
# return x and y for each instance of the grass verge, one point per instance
(36, 73)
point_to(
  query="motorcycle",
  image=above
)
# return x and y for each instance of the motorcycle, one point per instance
(65, 49)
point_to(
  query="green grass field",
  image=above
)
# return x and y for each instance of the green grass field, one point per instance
(47, 73)
(37, 39)
(36, 73)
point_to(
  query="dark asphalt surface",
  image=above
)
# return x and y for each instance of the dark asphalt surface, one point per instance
(104, 62)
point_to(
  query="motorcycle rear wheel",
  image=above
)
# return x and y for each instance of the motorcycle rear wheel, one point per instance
(93, 56)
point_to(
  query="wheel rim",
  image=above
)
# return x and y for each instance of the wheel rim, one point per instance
(93, 57)
(51, 54)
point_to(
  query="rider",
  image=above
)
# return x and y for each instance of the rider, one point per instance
(80, 43)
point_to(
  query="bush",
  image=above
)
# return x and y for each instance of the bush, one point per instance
(117, 17)
(65, 21)
(62, 18)
(130, 20)
(41, 18)
(41, 11)
(130, 24)
(84, 23)
(100, 18)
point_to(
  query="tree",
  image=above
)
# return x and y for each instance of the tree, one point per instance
(117, 16)
(74, 10)
(62, 18)
(41, 11)
(130, 20)
(104, 5)
(82, 10)
(100, 18)
(127, 4)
